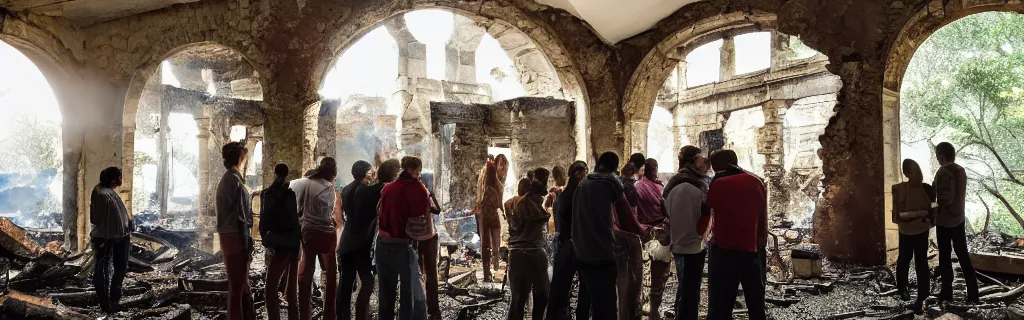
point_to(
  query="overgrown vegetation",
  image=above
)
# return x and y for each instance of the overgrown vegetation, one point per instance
(965, 85)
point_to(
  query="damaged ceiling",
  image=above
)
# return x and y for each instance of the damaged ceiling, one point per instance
(615, 20)
(89, 12)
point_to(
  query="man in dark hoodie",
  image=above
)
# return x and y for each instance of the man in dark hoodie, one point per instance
(564, 268)
(598, 205)
(738, 201)
(951, 188)
(355, 250)
(527, 261)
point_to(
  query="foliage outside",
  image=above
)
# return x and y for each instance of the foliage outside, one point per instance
(32, 161)
(965, 85)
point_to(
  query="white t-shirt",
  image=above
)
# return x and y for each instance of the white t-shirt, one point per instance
(315, 199)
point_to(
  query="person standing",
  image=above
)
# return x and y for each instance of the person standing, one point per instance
(598, 204)
(355, 258)
(527, 261)
(684, 203)
(912, 211)
(397, 261)
(317, 199)
(488, 220)
(564, 268)
(737, 197)
(629, 249)
(659, 256)
(951, 191)
(279, 230)
(428, 251)
(111, 239)
(234, 226)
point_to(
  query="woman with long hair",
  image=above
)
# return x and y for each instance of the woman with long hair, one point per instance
(280, 233)
(488, 219)
(649, 212)
(913, 212)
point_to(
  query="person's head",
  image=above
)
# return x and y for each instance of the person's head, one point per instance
(327, 170)
(577, 171)
(362, 171)
(412, 166)
(234, 154)
(280, 172)
(524, 186)
(628, 171)
(529, 174)
(912, 171)
(110, 177)
(693, 158)
(651, 169)
(638, 160)
(388, 170)
(559, 175)
(607, 162)
(501, 165)
(722, 160)
(539, 184)
(945, 153)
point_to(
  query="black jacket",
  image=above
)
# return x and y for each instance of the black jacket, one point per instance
(279, 218)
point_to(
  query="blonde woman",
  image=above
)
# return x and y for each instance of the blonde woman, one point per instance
(913, 211)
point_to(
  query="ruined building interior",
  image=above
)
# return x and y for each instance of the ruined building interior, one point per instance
(807, 92)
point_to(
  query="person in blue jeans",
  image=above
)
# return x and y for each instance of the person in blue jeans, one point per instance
(397, 259)
(688, 225)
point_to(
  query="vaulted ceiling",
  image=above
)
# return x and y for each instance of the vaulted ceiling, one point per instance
(88, 12)
(615, 20)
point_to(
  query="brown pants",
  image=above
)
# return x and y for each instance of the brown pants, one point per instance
(660, 273)
(236, 262)
(282, 264)
(629, 280)
(318, 246)
(528, 273)
(428, 275)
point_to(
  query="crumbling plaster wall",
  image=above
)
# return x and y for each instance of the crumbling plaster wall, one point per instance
(293, 43)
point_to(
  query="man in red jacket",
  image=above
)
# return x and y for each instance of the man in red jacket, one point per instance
(738, 203)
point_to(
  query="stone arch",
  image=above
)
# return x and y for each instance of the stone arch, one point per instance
(539, 36)
(232, 65)
(902, 46)
(642, 89)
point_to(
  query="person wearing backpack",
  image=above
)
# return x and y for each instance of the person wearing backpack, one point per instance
(316, 197)
(279, 229)
(688, 226)
(913, 211)
(403, 218)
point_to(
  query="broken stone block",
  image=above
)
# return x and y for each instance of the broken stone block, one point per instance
(15, 243)
(20, 305)
(806, 261)
(997, 263)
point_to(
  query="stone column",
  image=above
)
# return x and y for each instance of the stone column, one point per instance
(637, 137)
(728, 51)
(207, 220)
(770, 143)
(892, 165)
(327, 131)
(128, 168)
(462, 50)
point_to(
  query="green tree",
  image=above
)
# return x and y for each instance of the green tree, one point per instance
(966, 85)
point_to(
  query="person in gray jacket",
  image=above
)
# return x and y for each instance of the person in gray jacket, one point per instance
(951, 190)
(111, 239)
(688, 225)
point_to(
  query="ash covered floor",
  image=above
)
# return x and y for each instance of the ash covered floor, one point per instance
(170, 279)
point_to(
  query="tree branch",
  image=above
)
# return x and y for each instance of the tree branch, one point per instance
(1006, 203)
(1006, 168)
(988, 214)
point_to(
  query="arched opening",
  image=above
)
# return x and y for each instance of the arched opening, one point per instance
(199, 98)
(942, 63)
(32, 165)
(386, 91)
(971, 94)
(753, 90)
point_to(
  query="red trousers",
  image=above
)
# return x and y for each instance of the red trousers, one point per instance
(318, 246)
(282, 264)
(236, 261)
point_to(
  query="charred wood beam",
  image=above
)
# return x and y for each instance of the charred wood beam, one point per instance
(15, 304)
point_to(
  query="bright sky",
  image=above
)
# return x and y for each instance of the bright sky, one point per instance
(27, 91)
(370, 66)
(753, 52)
(703, 64)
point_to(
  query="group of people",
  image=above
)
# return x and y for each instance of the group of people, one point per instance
(604, 221)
